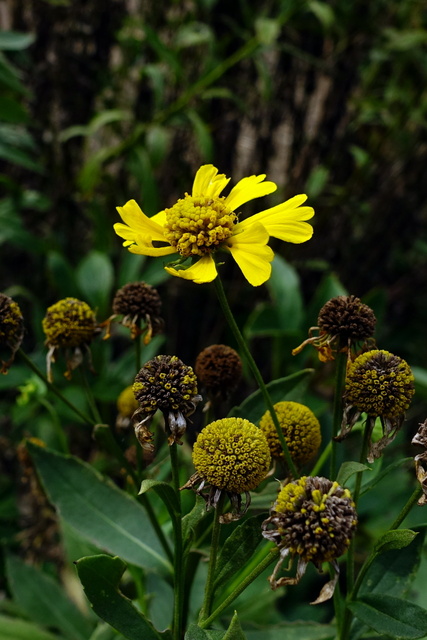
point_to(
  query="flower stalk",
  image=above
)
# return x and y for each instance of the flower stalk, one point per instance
(255, 371)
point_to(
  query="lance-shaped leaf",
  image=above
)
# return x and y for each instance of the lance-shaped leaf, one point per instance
(395, 539)
(391, 616)
(234, 631)
(44, 601)
(98, 510)
(17, 629)
(100, 577)
(238, 549)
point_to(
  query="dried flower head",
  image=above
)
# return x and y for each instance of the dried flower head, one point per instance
(232, 456)
(11, 329)
(69, 324)
(127, 404)
(167, 384)
(219, 369)
(381, 385)
(420, 460)
(300, 427)
(314, 519)
(140, 305)
(342, 322)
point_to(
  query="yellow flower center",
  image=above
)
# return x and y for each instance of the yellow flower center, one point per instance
(198, 225)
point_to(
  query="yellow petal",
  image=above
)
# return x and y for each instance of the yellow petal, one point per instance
(204, 270)
(132, 215)
(285, 221)
(207, 183)
(249, 249)
(248, 189)
(149, 250)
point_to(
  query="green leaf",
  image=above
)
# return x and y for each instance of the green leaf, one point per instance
(285, 290)
(238, 548)
(12, 111)
(192, 519)
(100, 577)
(14, 41)
(44, 601)
(98, 510)
(196, 633)
(234, 631)
(9, 76)
(323, 12)
(294, 631)
(348, 469)
(19, 157)
(393, 571)
(165, 492)
(253, 408)
(16, 629)
(202, 134)
(391, 616)
(95, 279)
(397, 539)
(267, 30)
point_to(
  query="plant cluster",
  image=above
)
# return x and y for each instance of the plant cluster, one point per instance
(179, 531)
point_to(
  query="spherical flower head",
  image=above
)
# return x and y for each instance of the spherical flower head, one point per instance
(11, 329)
(348, 318)
(314, 519)
(219, 369)
(232, 454)
(140, 305)
(69, 324)
(127, 404)
(205, 222)
(300, 427)
(167, 384)
(343, 321)
(379, 384)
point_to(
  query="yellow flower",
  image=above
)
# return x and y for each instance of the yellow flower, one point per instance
(205, 222)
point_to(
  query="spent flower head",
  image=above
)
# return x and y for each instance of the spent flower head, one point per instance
(140, 306)
(231, 456)
(69, 324)
(343, 322)
(312, 519)
(165, 383)
(300, 427)
(218, 369)
(11, 329)
(204, 223)
(381, 385)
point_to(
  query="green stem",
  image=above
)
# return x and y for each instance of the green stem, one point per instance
(62, 438)
(340, 372)
(350, 555)
(242, 586)
(256, 372)
(54, 389)
(209, 588)
(138, 351)
(90, 398)
(321, 461)
(406, 509)
(178, 551)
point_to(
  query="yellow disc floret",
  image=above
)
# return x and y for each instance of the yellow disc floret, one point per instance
(300, 427)
(198, 225)
(69, 323)
(232, 454)
(380, 384)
